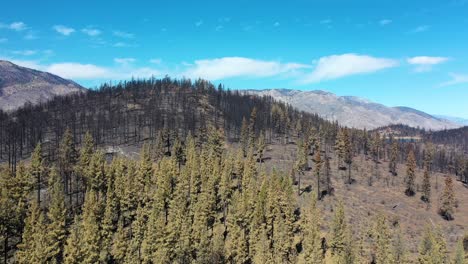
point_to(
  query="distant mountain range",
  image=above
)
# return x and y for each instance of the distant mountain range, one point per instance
(458, 120)
(355, 111)
(19, 85)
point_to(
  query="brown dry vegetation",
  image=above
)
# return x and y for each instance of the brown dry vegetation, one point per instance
(386, 195)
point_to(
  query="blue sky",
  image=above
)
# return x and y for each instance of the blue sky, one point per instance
(410, 53)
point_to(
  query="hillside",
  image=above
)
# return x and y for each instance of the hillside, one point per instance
(221, 177)
(355, 112)
(20, 85)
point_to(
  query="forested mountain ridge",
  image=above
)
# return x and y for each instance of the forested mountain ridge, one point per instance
(135, 111)
(355, 112)
(20, 85)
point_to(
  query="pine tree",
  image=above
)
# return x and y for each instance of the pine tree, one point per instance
(382, 241)
(410, 174)
(263, 252)
(91, 237)
(225, 186)
(86, 151)
(393, 158)
(317, 170)
(447, 205)
(433, 248)
(237, 245)
(312, 241)
(66, 161)
(144, 176)
(178, 151)
(327, 175)
(37, 170)
(57, 214)
(459, 257)
(399, 251)
(96, 174)
(261, 147)
(27, 248)
(340, 147)
(73, 250)
(138, 230)
(120, 242)
(252, 127)
(216, 142)
(348, 153)
(178, 227)
(244, 137)
(426, 187)
(340, 237)
(108, 222)
(301, 163)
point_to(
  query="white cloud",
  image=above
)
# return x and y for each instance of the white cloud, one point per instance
(24, 52)
(92, 32)
(337, 66)
(425, 63)
(124, 45)
(228, 67)
(420, 29)
(26, 63)
(124, 60)
(17, 26)
(155, 61)
(384, 22)
(72, 70)
(123, 34)
(456, 79)
(426, 60)
(79, 71)
(64, 30)
(199, 23)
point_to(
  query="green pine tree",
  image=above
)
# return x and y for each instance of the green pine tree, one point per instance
(57, 214)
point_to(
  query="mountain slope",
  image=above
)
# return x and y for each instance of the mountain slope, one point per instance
(19, 85)
(458, 120)
(354, 111)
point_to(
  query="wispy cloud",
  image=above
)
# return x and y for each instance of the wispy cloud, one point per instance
(124, 61)
(420, 29)
(425, 63)
(16, 26)
(92, 32)
(64, 30)
(325, 21)
(3, 40)
(228, 67)
(123, 34)
(276, 24)
(80, 71)
(199, 23)
(155, 61)
(385, 22)
(123, 45)
(338, 66)
(219, 27)
(25, 52)
(456, 78)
